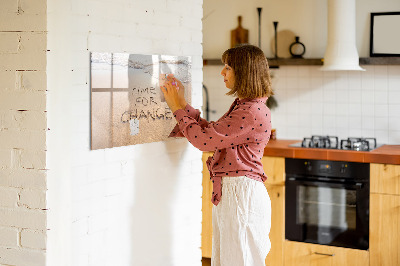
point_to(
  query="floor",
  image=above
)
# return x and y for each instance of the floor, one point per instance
(206, 261)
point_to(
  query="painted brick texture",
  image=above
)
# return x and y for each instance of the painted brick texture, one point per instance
(9, 237)
(134, 205)
(108, 207)
(23, 132)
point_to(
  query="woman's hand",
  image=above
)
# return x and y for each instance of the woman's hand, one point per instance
(181, 91)
(174, 93)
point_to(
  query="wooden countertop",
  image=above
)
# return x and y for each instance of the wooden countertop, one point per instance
(389, 154)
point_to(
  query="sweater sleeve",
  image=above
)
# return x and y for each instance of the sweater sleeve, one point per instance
(231, 130)
(193, 113)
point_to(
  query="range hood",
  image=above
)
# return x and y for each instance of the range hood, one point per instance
(341, 51)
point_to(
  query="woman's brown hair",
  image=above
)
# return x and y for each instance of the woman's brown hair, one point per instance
(250, 66)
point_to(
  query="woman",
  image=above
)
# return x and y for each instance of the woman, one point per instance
(242, 208)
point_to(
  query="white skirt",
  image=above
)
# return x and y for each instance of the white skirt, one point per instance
(241, 223)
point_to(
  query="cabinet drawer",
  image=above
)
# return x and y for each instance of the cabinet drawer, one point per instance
(304, 254)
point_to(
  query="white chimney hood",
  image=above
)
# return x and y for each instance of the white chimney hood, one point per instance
(341, 51)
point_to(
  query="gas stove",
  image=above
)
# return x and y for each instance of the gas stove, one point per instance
(332, 142)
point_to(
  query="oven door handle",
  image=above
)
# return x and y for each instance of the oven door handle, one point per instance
(357, 185)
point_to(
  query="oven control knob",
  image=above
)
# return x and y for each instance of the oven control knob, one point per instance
(343, 168)
(308, 166)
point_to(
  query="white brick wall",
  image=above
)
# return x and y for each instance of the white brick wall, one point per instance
(8, 197)
(11, 256)
(107, 207)
(134, 205)
(9, 237)
(22, 132)
(33, 239)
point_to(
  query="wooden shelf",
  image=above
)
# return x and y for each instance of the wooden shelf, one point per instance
(212, 62)
(274, 63)
(380, 61)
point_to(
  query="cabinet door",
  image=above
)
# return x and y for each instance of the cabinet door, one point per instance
(385, 178)
(274, 168)
(206, 226)
(304, 254)
(384, 230)
(277, 233)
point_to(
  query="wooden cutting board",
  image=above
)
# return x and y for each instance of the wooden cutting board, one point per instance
(239, 35)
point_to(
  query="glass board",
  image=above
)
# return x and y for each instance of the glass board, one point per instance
(127, 105)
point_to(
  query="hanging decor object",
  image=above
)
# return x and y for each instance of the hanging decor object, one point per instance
(383, 42)
(286, 38)
(259, 9)
(239, 35)
(297, 49)
(272, 103)
(341, 51)
(276, 38)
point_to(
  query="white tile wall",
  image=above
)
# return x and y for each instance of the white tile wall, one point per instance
(312, 102)
(342, 103)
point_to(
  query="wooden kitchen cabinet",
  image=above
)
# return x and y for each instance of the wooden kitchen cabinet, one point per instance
(274, 168)
(305, 254)
(277, 233)
(385, 215)
(384, 236)
(385, 178)
(206, 225)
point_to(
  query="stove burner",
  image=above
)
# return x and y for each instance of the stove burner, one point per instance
(332, 142)
(328, 142)
(358, 144)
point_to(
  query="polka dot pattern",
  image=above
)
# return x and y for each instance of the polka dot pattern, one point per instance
(238, 139)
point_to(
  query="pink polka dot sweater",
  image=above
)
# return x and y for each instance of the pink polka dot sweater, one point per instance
(238, 139)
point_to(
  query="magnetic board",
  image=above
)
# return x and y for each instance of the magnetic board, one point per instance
(127, 105)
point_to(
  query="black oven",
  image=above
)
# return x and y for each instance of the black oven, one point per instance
(327, 202)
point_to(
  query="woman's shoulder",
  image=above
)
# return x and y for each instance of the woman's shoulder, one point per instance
(257, 104)
(257, 110)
